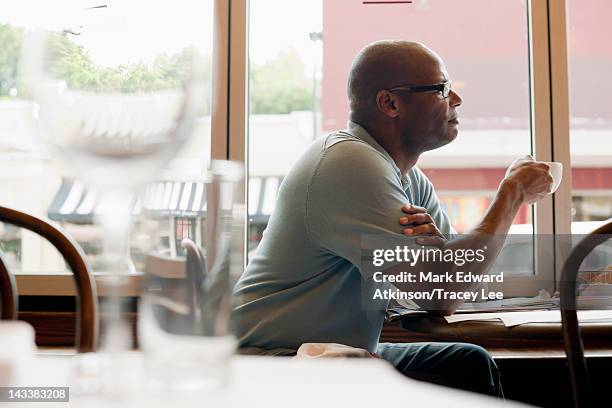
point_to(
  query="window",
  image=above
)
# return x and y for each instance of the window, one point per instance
(297, 85)
(590, 144)
(34, 182)
(590, 61)
(284, 106)
(29, 177)
(299, 52)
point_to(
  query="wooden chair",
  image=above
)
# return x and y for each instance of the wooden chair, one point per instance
(176, 283)
(196, 269)
(8, 292)
(574, 347)
(87, 304)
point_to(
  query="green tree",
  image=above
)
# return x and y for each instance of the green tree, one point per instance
(70, 62)
(10, 47)
(277, 87)
(280, 86)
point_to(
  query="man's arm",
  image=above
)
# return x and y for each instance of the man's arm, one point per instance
(416, 216)
(526, 182)
(354, 193)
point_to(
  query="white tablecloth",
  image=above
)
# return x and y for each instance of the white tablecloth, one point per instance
(269, 382)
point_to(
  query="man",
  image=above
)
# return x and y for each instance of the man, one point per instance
(304, 283)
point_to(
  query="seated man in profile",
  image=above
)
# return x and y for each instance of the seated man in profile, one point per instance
(304, 284)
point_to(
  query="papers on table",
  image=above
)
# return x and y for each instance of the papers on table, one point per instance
(523, 303)
(511, 311)
(511, 319)
(406, 309)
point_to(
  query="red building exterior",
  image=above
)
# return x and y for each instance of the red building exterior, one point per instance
(487, 56)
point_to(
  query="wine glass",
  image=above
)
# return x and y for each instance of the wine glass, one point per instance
(184, 322)
(118, 88)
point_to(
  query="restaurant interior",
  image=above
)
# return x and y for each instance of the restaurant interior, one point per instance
(143, 148)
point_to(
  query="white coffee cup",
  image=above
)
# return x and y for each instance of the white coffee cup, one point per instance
(556, 171)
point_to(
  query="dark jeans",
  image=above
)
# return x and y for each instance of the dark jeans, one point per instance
(458, 365)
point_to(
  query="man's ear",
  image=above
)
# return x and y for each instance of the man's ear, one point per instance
(386, 102)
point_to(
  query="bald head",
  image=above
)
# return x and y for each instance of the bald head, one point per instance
(383, 65)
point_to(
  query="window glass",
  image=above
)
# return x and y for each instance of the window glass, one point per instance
(32, 181)
(298, 89)
(590, 64)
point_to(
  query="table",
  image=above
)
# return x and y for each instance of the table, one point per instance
(271, 382)
(532, 340)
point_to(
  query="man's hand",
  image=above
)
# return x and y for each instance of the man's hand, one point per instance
(530, 179)
(418, 222)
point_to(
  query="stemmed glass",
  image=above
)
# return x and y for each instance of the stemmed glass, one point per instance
(118, 87)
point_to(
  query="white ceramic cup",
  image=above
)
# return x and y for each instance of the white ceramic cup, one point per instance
(556, 171)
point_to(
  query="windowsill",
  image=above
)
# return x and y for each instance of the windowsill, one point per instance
(62, 284)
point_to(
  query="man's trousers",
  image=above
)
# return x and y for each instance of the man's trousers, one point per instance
(459, 365)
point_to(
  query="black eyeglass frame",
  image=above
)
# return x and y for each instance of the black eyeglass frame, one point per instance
(444, 88)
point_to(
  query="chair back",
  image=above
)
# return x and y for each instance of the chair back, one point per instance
(174, 284)
(87, 300)
(574, 347)
(192, 297)
(196, 271)
(8, 292)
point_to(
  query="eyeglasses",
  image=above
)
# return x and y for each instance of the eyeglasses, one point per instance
(444, 88)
